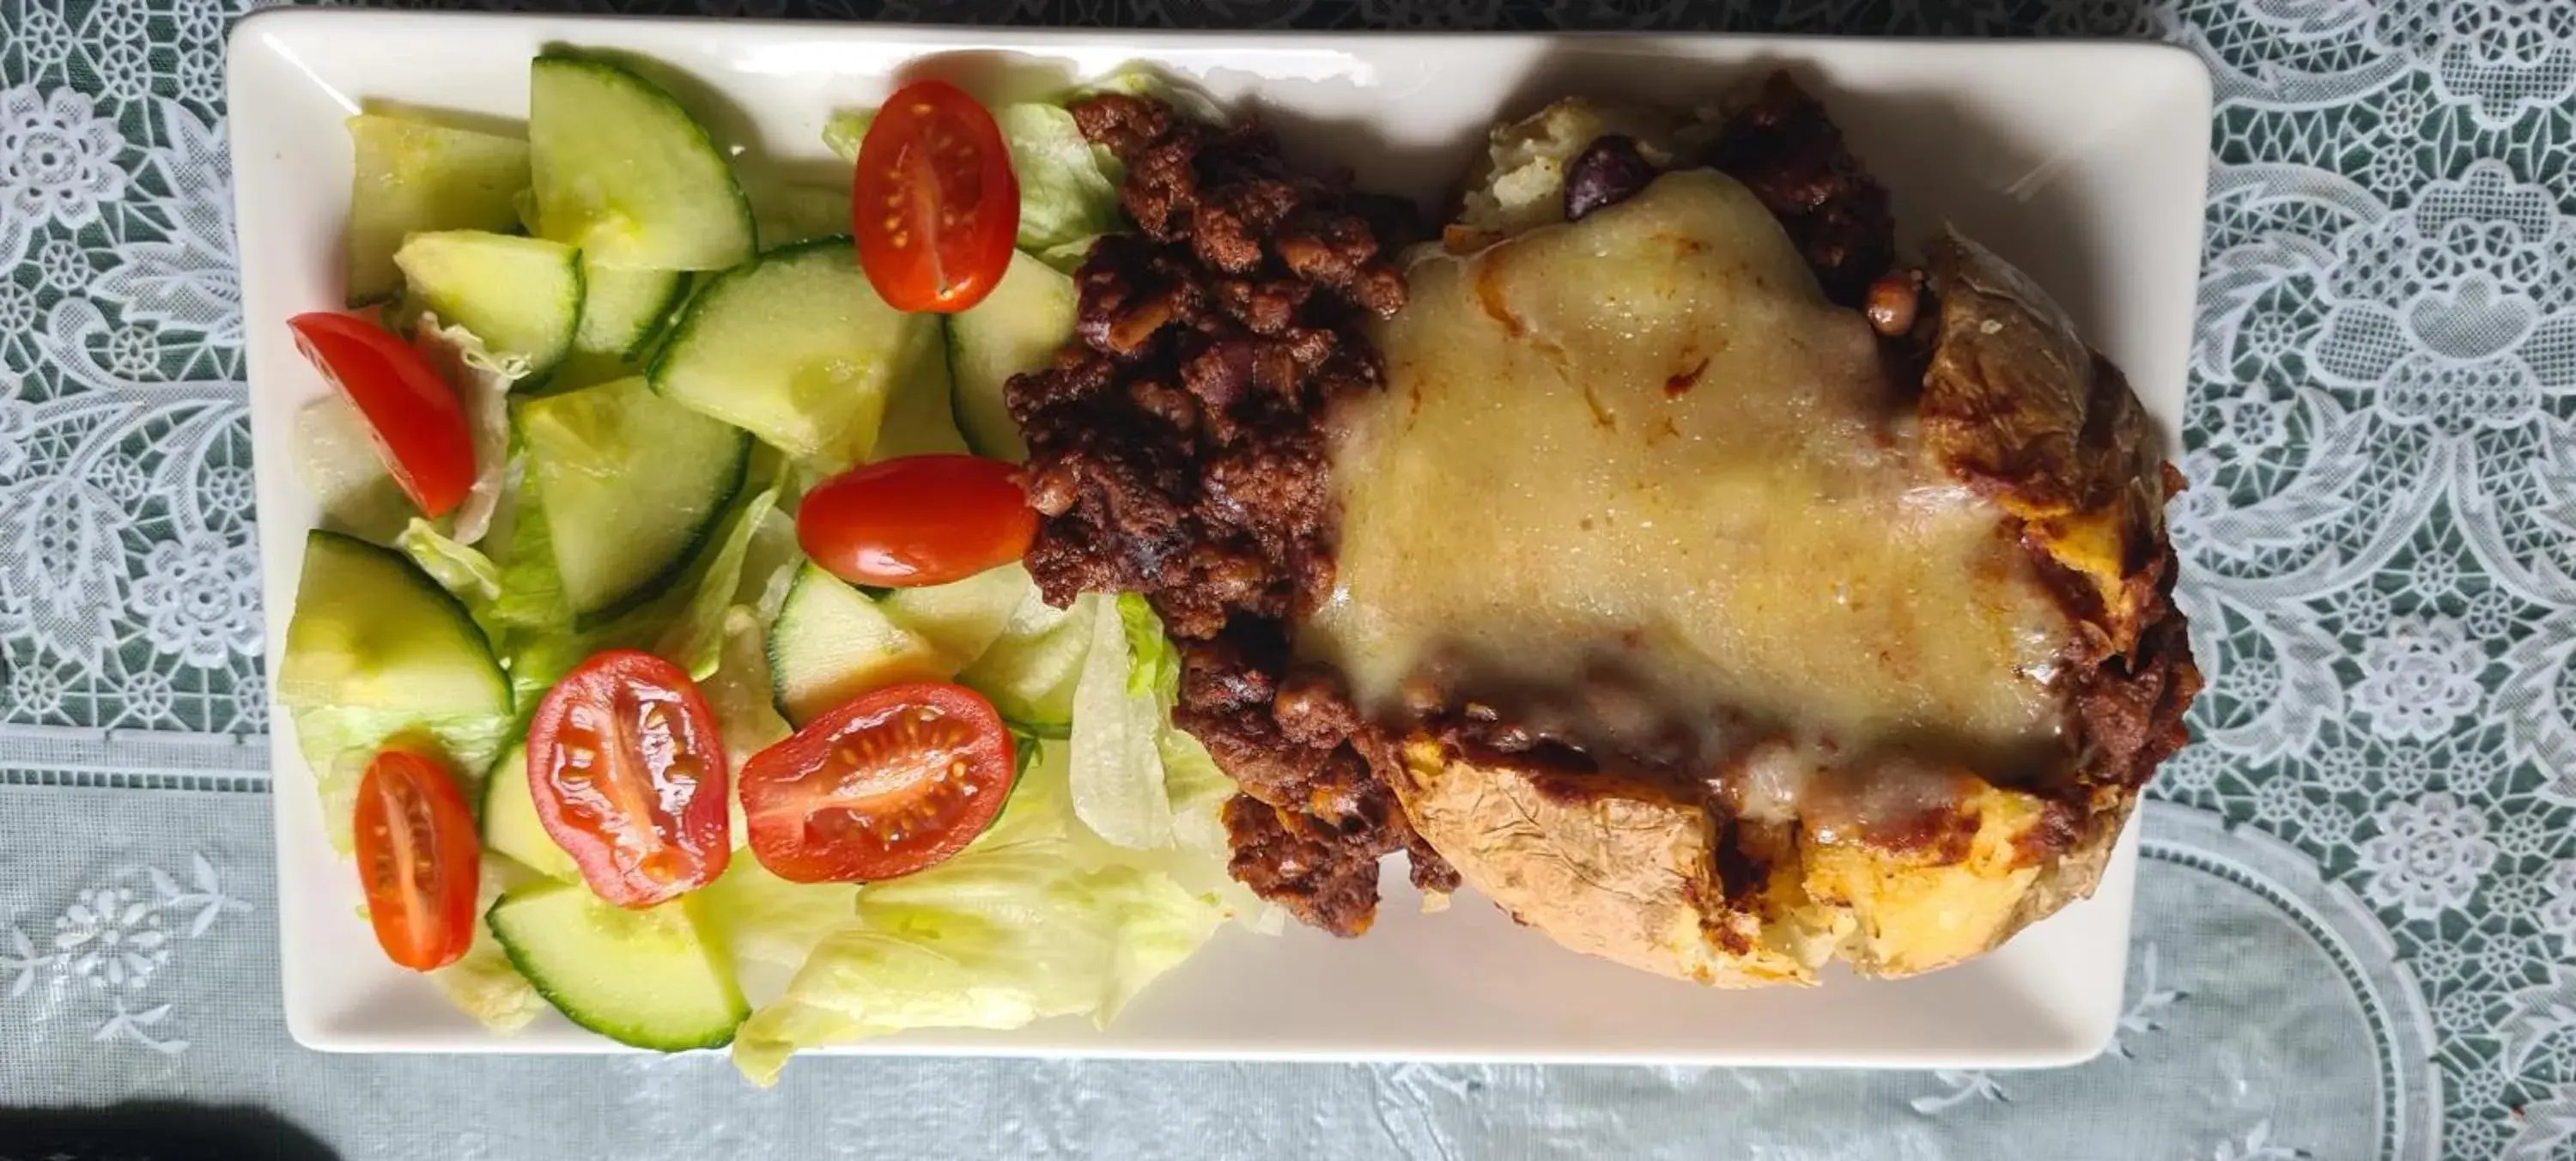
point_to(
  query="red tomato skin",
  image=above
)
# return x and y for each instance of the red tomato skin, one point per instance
(683, 807)
(412, 414)
(917, 520)
(422, 911)
(785, 789)
(941, 258)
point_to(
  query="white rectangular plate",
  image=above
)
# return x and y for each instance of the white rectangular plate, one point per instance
(2083, 163)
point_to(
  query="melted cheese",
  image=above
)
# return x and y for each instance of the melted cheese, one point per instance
(1642, 453)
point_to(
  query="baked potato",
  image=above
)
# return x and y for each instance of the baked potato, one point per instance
(1722, 633)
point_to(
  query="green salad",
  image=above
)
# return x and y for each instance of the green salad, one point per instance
(662, 559)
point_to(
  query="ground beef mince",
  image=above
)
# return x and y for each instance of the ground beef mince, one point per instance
(1176, 447)
(1784, 148)
(1175, 451)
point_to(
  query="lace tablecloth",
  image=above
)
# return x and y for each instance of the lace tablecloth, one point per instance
(2357, 913)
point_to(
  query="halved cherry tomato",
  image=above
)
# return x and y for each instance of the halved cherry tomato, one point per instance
(629, 777)
(934, 205)
(917, 520)
(418, 427)
(893, 781)
(418, 858)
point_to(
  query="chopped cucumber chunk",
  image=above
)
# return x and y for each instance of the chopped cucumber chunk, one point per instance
(1029, 672)
(372, 630)
(796, 349)
(831, 643)
(413, 176)
(648, 978)
(510, 824)
(623, 314)
(1018, 328)
(521, 296)
(632, 485)
(377, 650)
(625, 310)
(918, 419)
(792, 212)
(961, 618)
(623, 174)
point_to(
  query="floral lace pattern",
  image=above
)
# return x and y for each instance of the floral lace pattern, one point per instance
(128, 584)
(2381, 438)
(107, 945)
(2381, 443)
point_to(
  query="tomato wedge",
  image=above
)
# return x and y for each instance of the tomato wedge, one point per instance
(917, 520)
(893, 781)
(934, 205)
(418, 427)
(629, 778)
(418, 858)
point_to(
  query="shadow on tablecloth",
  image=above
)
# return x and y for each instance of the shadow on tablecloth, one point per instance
(160, 1130)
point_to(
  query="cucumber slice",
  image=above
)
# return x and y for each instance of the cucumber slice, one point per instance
(632, 484)
(918, 419)
(625, 310)
(1029, 672)
(796, 349)
(521, 296)
(792, 212)
(377, 650)
(961, 618)
(647, 978)
(1018, 328)
(412, 176)
(623, 174)
(831, 643)
(510, 825)
(623, 313)
(372, 631)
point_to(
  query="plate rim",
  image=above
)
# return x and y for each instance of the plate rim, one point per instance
(294, 808)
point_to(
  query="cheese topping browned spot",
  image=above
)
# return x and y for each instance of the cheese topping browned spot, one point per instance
(1790, 561)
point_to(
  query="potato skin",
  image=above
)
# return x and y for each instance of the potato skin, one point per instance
(1629, 874)
(2018, 407)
